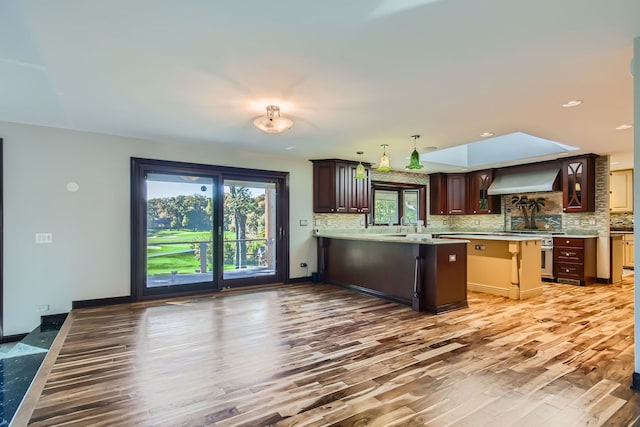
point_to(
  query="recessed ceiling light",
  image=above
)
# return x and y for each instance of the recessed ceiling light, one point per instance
(614, 163)
(623, 127)
(290, 148)
(572, 103)
(486, 134)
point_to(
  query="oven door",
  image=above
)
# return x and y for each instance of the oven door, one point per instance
(547, 261)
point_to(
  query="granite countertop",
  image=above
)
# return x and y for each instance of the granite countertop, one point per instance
(496, 236)
(442, 236)
(411, 238)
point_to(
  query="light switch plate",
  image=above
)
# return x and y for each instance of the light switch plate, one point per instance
(44, 238)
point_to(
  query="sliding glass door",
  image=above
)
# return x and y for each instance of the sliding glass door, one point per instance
(250, 247)
(179, 230)
(199, 228)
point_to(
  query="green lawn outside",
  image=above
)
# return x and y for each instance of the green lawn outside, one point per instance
(184, 263)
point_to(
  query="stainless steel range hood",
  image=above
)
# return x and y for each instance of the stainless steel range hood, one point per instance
(524, 182)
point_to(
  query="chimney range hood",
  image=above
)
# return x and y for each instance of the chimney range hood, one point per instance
(524, 182)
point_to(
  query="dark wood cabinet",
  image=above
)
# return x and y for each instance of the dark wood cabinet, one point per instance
(358, 201)
(456, 194)
(574, 260)
(459, 194)
(480, 202)
(336, 191)
(438, 194)
(578, 184)
(447, 193)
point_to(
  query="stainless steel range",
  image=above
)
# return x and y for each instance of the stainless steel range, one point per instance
(547, 256)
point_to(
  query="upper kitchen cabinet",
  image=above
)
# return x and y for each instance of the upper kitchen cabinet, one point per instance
(480, 202)
(438, 194)
(447, 193)
(621, 191)
(336, 191)
(456, 193)
(578, 184)
(358, 201)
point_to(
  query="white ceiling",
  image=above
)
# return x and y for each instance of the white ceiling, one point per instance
(352, 74)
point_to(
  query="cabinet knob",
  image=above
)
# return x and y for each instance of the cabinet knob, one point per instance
(475, 212)
(568, 241)
(489, 211)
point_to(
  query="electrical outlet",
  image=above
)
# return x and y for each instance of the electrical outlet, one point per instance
(42, 308)
(304, 222)
(476, 221)
(445, 222)
(592, 221)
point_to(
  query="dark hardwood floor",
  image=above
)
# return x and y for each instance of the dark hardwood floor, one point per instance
(317, 355)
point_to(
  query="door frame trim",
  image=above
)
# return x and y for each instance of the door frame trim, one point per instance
(138, 216)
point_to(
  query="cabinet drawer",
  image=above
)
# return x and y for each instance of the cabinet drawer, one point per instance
(569, 270)
(568, 253)
(568, 241)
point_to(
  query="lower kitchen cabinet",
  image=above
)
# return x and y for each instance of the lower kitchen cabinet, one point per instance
(627, 251)
(574, 260)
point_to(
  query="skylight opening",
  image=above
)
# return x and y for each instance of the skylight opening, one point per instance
(512, 147)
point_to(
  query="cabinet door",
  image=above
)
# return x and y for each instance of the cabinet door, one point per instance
(480, 202)
(324, 187)
(578, 185)
(628, 250)
(438, 194)
(358, 191)
(456, 193)
(363, 190)
(621, 191)
(343, 186)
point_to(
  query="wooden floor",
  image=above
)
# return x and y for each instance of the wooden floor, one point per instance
(317, 355)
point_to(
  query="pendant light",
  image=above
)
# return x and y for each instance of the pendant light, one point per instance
(360, 172)
(384, 165)
(414, 162)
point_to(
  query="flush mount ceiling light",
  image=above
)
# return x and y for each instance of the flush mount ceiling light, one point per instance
(414, 162)
(623, 127)
(572, 103)
(486, 134)
(360, 172)
(384, 165)
(273, 122)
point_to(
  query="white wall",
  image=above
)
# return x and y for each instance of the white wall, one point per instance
(90, 254)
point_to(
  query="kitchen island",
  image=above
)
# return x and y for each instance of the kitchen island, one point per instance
(425, 273)
(502, 264)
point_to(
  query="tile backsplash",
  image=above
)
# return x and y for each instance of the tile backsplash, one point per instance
(622, 220)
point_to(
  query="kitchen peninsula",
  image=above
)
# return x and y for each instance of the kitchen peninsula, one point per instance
(425, 273)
